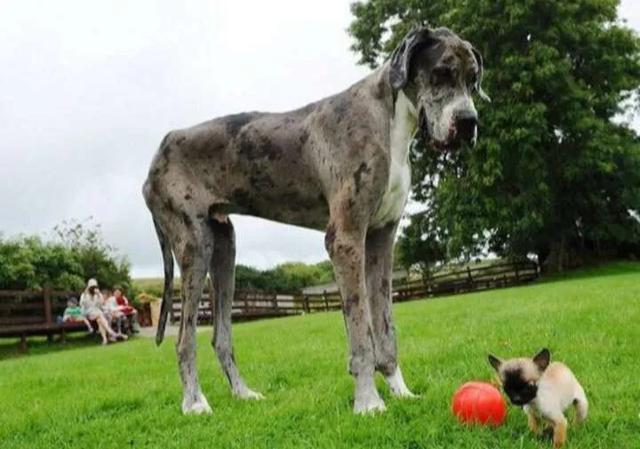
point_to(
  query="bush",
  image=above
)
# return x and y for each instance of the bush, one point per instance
(76, 254)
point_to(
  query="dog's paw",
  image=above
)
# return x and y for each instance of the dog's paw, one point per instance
(368, 405)
(397, 386)
(200, 406)
(404, 393)
(249, 394)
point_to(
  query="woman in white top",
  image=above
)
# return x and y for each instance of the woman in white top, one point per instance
(91, 303)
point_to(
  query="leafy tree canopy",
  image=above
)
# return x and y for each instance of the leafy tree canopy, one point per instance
(556, 172)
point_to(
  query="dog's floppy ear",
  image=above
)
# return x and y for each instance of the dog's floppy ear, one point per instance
(478, 85)
(495, 362)
(542, 359)
(400, 66)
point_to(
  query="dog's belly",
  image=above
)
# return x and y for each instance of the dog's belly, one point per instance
(288, 207)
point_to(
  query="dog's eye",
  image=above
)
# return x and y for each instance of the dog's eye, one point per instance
(473, 80)
(441, 76)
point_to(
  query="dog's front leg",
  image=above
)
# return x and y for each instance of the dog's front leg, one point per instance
(345, 245)
(379, 267)
(532, 420)
(552, 413)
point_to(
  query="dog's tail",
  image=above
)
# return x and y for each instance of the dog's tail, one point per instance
(167, 295)
(582, 405)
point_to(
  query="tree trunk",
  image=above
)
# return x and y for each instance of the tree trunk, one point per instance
(556, 260)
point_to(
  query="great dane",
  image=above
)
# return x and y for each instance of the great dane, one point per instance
(340, 165)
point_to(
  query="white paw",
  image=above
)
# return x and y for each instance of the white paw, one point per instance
(398, 387)
(369, 405)
(198, 407)
(247, 393)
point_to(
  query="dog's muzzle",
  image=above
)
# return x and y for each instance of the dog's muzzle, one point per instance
(467, 127)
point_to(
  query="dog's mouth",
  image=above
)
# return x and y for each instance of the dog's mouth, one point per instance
(452, 142)
(423, 126)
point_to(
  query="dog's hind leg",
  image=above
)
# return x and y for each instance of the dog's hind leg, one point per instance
(193, 251)
(379, 267)
(582, 405)
(222, 270)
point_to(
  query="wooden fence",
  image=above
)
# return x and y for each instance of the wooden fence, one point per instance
(248, 305)
(25, 313)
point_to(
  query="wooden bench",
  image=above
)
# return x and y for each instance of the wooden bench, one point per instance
(27, 313)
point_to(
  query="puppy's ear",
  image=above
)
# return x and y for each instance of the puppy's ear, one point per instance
(495, 362)
(542, 359)
(400, 65)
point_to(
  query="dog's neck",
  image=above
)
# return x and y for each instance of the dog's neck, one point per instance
(402, 118)
(404, 123)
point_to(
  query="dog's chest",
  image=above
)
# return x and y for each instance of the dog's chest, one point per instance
(395, 196)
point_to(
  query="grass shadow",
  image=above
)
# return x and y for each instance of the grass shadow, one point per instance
(38, 345)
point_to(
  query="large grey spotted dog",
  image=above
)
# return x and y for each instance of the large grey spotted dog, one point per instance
(340, 165)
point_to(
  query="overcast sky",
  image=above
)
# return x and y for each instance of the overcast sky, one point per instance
(89, 88)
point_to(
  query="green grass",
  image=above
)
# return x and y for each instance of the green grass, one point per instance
(155, 285)
(127, 395)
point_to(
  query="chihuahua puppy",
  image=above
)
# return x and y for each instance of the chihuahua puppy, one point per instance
(545, 390)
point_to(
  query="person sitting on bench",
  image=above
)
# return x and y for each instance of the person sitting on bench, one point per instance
(91, 303)
(121, 311)
(73, 313)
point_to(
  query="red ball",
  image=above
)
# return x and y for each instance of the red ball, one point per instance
(479, 403)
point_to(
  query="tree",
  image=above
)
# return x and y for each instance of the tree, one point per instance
(96, 258)
(286, 277)
(555, 173)
(77, 254)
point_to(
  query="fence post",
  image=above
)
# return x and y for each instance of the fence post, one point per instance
(212, 303)
(22, 346)
(469, 278)
(326, 300)
(517, 274)
(305, 304)
(245, 312)
(172, 312)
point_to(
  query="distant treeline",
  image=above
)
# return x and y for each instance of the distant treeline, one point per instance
(286, 277)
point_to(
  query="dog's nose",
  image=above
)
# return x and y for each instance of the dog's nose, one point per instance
(466, 124)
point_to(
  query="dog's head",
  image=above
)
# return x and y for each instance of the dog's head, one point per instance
(519, 377)
(439, 73)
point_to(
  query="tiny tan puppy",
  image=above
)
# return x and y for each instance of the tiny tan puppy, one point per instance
(544, 390)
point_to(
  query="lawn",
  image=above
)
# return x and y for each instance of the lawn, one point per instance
(128, 395)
